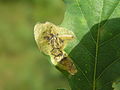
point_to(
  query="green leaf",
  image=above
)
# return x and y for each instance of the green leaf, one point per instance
(96, 53)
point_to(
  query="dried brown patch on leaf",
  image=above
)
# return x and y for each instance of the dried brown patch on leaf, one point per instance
(52, 40)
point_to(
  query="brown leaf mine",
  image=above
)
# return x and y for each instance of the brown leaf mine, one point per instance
(52, 40)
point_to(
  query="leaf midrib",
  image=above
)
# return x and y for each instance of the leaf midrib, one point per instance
(94, 77)
(97, 46)
(97, 42)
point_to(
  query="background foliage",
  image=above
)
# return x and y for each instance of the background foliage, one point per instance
(22, 67)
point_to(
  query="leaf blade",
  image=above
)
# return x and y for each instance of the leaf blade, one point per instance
(94, 28)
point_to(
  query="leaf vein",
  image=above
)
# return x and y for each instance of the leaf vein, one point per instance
(84, 74)
(85, 19)
(116, 60)
(97, 48)
(105, 85)
(109, 40)
(110, 15)
(88, 50)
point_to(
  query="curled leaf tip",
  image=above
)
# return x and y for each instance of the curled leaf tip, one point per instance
(52, 40)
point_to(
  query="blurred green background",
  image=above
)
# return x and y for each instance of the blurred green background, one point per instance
(22, 66)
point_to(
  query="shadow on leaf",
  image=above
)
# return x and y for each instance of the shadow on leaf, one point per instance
(99, 47)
